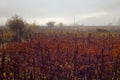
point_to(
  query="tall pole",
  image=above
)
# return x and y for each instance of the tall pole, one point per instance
(74, 20)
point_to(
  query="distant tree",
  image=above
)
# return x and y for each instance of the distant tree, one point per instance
(60, 24)
(51, 24)
(17, 26)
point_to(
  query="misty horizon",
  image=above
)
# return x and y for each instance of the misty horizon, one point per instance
(96, 12)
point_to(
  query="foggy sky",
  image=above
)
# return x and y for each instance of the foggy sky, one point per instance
(89, 12)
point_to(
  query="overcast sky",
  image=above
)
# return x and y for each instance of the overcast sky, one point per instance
(89, 12)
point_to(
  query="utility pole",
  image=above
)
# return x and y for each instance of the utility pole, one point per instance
(74, 20)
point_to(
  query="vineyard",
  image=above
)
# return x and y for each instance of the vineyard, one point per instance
(61, 55)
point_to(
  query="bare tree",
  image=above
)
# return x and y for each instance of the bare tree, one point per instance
(51, 24)
(60, 24)
(17, 26)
